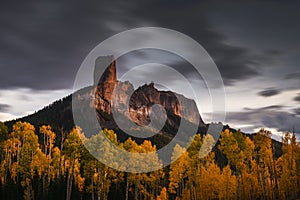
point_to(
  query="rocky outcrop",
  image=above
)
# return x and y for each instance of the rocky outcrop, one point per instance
(105, 83)
(108, 65)
(140, 100)
(147, 95)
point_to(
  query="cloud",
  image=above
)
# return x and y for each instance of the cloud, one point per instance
(4, 107)
(297, 111)
(272, 107)
(297, 98)
(269, 92)
(6, 116)
(45, 42)
(274, 52)
(235, 63)
(266, 117)
(144, 56)
(50, 48)
(293, 76)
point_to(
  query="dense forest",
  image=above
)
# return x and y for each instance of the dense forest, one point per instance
(34, 167)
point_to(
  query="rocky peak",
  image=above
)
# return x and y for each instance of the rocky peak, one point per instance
(110, 74)
(141, 100)
(147, 95)
(106, 84)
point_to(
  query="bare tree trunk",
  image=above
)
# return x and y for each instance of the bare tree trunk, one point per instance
(93, 191)
(264, 183)
(101, 185)
(127, 186)
(30, 193)
(135, 191)
(44, 192)
(61, 150)
(276, 190)
(251, 191)
(238, 187)
(69, 184)
(243, 188)
(99, 193)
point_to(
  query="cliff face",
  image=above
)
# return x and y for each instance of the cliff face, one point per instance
(141, 100)
(147, 95)
(105, 84)
(99, 97)
(110, 73)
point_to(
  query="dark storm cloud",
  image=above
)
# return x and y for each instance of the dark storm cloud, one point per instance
(144, 56)
(269, 92)
(42, 44)
(297, 111)
(4, 107)
(293, 76)
(297, 98)
(270, 118)
(272, 107)
(235, 63)
(274, 52)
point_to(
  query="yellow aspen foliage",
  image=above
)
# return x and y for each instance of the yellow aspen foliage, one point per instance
(39, 164)
(178, 170)
(163, 194)
(288, 168)
(227, 184)
(263, 146)
(55, 163)
(79, 180)
(230, 147)
(243, 167)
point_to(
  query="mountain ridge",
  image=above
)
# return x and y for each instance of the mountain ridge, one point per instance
(59, 113)
(140, 101)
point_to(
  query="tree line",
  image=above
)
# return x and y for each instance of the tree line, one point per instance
(36, 168)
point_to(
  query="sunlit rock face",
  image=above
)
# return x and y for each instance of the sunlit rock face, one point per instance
(140, 101)
(147, 95)
(105, 84)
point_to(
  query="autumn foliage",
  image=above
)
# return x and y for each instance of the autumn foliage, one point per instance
(34, 167)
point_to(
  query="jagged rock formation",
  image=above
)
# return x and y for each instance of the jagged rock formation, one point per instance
(110, 73)
(140, 101)
(147, 95)
(105, 84)
(59, 113)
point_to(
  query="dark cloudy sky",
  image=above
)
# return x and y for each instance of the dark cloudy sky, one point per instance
(255, 44)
